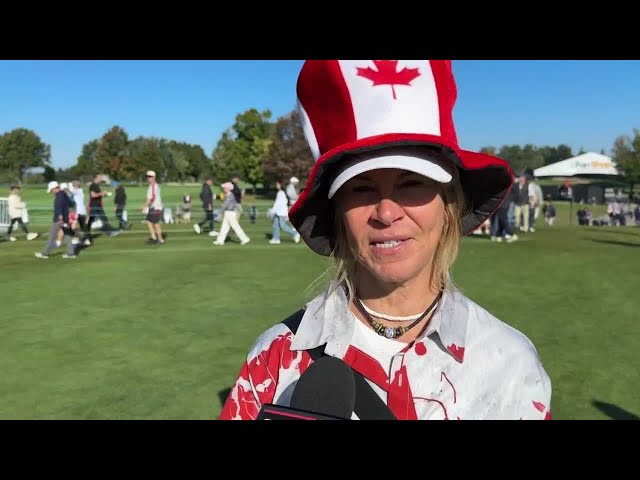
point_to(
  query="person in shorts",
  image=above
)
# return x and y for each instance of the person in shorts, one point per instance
(153, 208)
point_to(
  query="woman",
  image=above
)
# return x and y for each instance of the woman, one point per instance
(279, 213)
(230, 217)
(388, 200)
(17, 209)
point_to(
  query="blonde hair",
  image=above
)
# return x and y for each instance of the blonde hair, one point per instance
(343, 265)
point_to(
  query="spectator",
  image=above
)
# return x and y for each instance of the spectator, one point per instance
(17, 208)
(549, 212)
(60, 221)
(230, 217)
(280, 214)
(120, 201)
(153, 207)
(96, 209)
(237, 193)
(206, 197)
(292, 190)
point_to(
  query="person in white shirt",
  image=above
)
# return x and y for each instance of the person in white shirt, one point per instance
(153, 208)
(292, 190)
(80, 208)
(536, 199)
(389, 199)
(280, 214)
(17, 209)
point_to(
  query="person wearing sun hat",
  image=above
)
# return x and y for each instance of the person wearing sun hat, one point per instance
(230, 217)
(60, 222)
(388, 200)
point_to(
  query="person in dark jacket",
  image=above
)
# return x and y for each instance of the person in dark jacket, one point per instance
(60, 221)
(120, 201)
(237, 193)
(206, 196)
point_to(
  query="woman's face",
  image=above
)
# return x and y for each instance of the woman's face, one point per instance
(393, 221)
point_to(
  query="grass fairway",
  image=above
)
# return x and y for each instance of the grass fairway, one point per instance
(132, 331)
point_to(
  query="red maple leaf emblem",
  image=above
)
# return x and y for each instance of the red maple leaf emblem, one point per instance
(387, 74)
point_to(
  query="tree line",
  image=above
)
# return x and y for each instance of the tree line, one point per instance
(256, 148)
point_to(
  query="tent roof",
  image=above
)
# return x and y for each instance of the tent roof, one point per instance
(586, 164)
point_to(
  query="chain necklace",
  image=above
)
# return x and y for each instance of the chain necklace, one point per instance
(394, 332)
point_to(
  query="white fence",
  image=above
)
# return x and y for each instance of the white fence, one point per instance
(5, 220)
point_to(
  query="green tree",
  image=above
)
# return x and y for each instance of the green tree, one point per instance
(626, 156)
(145, 155)
(243, 148)
(112, 153)
(289, 154)
(489, 151)
(49, 173)
(522, 159)
(20, 150)
(86, 164)
(191, 161)
(227, 158)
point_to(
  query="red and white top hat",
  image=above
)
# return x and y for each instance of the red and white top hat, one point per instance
(364, 107)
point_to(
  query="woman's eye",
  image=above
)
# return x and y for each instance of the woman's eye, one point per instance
(411, 183)
(363, 189)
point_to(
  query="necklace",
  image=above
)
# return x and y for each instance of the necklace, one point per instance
(394, 332)
(391, 318)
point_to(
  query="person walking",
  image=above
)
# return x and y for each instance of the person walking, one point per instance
(153, 207)
(230, 217)
(17, 208)
(60, 221)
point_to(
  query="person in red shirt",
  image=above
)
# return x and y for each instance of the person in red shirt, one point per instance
(388, 200)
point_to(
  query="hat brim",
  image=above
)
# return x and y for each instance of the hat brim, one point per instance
(485, 179)
(423, 166)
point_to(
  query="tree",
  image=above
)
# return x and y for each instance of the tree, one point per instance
(243, 147)
(86, 163)
(22, 149)
(49, 173)
(145, 154)
(112, 154)
(191, 161)
(227, 157)
(289, 154)
(489, 151)
(626, 156)
(522, 159)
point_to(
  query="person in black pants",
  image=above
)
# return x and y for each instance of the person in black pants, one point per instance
(206, 196)
(120, 202)
(96, 209)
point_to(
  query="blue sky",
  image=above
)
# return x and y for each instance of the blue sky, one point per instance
(582, 103)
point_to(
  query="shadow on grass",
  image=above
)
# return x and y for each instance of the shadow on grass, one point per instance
(618, 231)
(614, 412)
(616, 242)
(223, 394)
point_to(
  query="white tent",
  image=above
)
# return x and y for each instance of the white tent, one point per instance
(587, 164)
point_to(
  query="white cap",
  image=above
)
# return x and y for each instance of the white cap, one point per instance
(64, 186)
(425, 165)
(294, 180)
(52, 185)
(151, 173)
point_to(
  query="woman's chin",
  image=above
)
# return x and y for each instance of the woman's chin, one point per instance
(394, 273)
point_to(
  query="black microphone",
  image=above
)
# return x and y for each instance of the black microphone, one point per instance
(326, 391)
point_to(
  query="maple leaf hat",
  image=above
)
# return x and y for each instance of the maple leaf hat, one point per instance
(365, 107)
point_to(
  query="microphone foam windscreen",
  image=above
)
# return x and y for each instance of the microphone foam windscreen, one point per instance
(327, 387)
